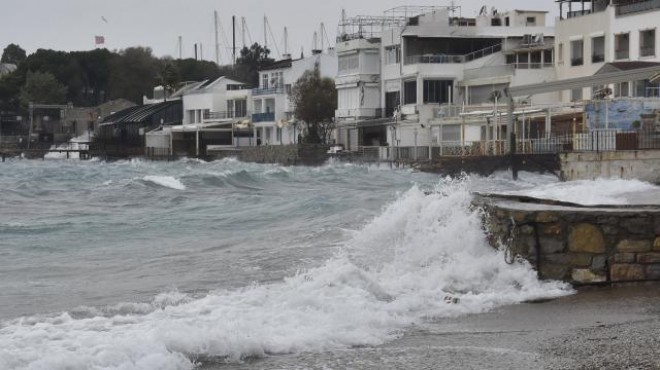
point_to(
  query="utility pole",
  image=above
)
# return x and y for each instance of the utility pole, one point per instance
(180, 47)
(217, 43)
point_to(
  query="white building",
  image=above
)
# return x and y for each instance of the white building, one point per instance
(590, 34)
(433, 64)
(273, 119)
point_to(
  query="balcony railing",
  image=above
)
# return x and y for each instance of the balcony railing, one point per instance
(577, 62)
(622, 54)
(647, 51)
(209, 116)
(263, 117)
(597, 58)
(533, 65)
(637, 7)
(452, 59)
(268, 91)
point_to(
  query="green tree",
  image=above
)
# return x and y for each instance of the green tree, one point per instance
(169, 77)
(197, 70)
(250, 62)
(13, 54)
(42, 88)
(315, 99)
(133, 74)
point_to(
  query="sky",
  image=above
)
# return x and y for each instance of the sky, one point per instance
(72, 24)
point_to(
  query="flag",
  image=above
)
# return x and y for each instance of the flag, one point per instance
(99, 40)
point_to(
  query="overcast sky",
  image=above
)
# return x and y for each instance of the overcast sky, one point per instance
(72, 24)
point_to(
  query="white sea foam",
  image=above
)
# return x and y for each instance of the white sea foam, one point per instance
(166, 181)
(587, 192)
(394, 273)
(73, 144)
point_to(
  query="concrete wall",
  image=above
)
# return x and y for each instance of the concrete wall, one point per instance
(287, 155)
(642, 165)
(581, 246)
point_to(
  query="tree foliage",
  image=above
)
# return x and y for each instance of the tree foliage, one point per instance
(169, 77)
(13, 54)
(42, 88)
(251, 61)
(315, 99)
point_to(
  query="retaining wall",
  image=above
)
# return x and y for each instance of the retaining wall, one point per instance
(643, 165)
(288, 155)
(579, 245)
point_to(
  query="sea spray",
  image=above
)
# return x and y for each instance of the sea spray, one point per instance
(392, 273)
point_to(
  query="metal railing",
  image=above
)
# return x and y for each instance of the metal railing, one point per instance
(597, 58)
(533, 65)
(224, 115)
(577, 61)
(621, 54)
(268, 91)
(452, 59)
(647, 51)
(263, 117)
(637, 7)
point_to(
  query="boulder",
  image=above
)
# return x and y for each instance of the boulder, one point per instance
(586, 238)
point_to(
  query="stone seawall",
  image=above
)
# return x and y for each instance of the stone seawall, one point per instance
(577, 244)
(287, 155)
(640, 164)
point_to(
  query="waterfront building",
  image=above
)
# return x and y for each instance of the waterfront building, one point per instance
(273, 118)
(436, 67)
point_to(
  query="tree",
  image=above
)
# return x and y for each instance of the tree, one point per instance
(42, 88)
(315, 99)
(169, 77)
(251, 61)
(13, 54)
(133, 74)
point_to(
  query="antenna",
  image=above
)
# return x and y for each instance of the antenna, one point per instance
(286, 41)
(180, 47)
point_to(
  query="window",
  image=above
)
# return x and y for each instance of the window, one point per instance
(645, 89)
(577, 52)
(622, 46)
(437, 91)
(349, 63)
(622, 89)
(560, 53)
(598, 49)
(531, 21)
(264, 81)
(234, 87)
(507, 21)
(287, 88)
(511, 59)
(236, 108)
(576, 94)
(410, 92)
(496, 22)
(548, 57)
(647, 43)
(278, 133)
(393, 54)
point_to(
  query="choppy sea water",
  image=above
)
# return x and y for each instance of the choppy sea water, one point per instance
(150, 265)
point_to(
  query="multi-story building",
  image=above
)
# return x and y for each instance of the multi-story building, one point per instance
(433, 64)
(591, 34)
(273, 119)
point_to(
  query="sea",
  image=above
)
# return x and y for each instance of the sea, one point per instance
(230, 265)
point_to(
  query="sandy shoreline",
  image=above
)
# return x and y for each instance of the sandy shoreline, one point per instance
(598, 328)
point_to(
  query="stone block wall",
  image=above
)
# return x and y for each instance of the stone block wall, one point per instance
(287, 155)
(581, 246)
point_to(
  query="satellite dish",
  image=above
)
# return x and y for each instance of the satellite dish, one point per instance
(493, 11)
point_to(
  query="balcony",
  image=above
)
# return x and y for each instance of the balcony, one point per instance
(268, 91)
(263, 117)
(452, 59)
(217, 116)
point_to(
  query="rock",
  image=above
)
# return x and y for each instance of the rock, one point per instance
(569, 259)
(527, 230)
(551, 245)
(627, 272)
(624, 258)
(554, 272)
(657, 225)
(656, 245)
(648, 258)
(554, 229)
(520, 216)
(637, 225)
(653, 272)
(599, 263)
(586, 238)
(634, 246)
(547, 217)
(610, 230)
(586, 276)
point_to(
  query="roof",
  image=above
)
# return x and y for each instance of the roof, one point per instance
(286, 63)
(625, 66)
(531, 11)
(138, 114)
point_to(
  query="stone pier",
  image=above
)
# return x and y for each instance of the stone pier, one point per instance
(580, 245)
